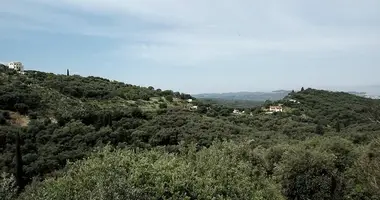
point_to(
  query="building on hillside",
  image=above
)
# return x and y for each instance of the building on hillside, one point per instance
(194, 108)
(18, 66)
(190, 100)
(275, 108)
(294, 101)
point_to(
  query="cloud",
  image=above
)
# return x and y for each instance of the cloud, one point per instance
(202, 31)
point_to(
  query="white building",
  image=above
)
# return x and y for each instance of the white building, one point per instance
(294, 101)
(275, 108)
(194, 108)
(236, 111)
(190, 100)
(18, 66)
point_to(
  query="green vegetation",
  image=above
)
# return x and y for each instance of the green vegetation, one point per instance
(71, 137)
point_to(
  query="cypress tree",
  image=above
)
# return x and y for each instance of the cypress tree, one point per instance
(19, 172)
(337, 127)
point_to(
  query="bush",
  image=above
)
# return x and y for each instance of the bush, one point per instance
(7, 187)
(308, 174)
(366, 173)
(33, 115)
(163, 105)
(169, 98)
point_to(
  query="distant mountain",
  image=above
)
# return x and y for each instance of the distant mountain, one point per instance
(372, 90)
(251, 96)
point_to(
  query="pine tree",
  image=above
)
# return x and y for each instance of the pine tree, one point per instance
(302, 89)
(68, 72)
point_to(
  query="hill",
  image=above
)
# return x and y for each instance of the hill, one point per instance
(91, 138)
(246, 96)
(62, 118)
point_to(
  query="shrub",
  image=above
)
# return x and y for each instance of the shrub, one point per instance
(33, 115)
(163, 105)
(7, 187)
(169, 98)
(308, 174)
(366, 173)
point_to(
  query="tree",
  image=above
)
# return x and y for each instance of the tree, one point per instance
(337, 127)
(169, 98)
(67, 72)
(21, 108)
(202, 109)
(2, 120)
(309, 174)
(319, 129)
(163, 105)
(302, 89)
(19, 171)
(7, 187)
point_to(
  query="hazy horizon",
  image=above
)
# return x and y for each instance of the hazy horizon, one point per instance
(369, 89)
(199, 46)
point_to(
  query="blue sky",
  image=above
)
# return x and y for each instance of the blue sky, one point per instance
(200, 45)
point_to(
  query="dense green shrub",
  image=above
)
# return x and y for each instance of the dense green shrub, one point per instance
(308, 174)
(366, 173)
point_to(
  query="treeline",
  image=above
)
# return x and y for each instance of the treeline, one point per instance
(318, 168)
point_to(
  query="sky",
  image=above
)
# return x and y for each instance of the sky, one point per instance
(198, 46)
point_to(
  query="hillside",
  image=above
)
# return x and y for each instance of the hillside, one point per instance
(63, 117)
(130, 142)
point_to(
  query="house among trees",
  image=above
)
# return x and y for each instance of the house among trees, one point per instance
(294, 101)
(18, 66)
(275, 108)
(194, 108)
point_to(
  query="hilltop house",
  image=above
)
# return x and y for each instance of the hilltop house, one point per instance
(275, 108)
(18, 66)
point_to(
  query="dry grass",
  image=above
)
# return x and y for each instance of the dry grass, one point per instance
(19, 120)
